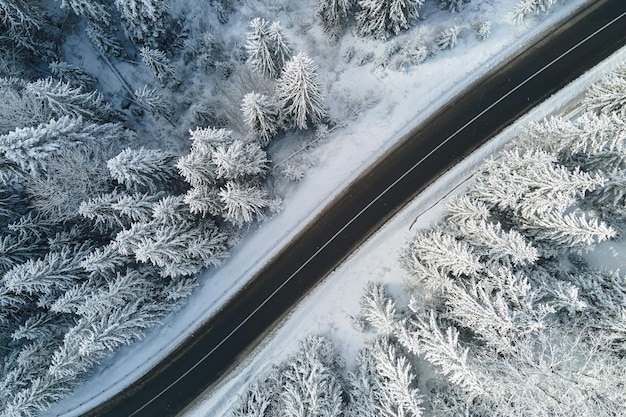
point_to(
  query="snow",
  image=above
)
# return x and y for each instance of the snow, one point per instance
(402, 99)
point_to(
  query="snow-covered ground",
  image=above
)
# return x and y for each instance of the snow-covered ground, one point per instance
(403, 99)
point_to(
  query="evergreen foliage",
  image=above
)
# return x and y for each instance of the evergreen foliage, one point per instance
(261, 115)
(267, 48)
(143, 169)
(333, 14)
(144, 20)
(299, 93)
(382, 18)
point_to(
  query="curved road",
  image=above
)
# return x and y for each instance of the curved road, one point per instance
(468, 121)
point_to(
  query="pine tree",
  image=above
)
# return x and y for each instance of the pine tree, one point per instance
(527, 7)
(76, 174)
(197, 169)
(310, 387)
(93, 10)
(378, 308)
(447, 38)
(267, 49)
(143, 169)
(299, 93)
(30, 147)
(153, 101)
(261, 115)
(144, 20)
(239, 160)
(452, 5)
(333, 14)
(72, 75)
(20, 20)
(205, 201)
(399, 397)
(442, 350)
(609, 94)
(100, 209)
(159, 64)
(63, 99)
(242, 203)
(380, 18)
(441, 252)
(47, 276)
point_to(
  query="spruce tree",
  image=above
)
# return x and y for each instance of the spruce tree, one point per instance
(381, 18)
(299, 93)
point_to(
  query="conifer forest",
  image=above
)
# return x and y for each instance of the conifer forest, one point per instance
(140, 143)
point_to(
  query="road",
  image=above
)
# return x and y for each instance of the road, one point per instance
(469, 120)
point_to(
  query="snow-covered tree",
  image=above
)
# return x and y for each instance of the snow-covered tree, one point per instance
(47, 276)
(441, 349)
(137, 207)
(609, 94)
(399, 396)
(239, 160)
(310, 386)
(381, 18)
(299, 93)
(452, 5)
(20, 20)
(159, 64)
(93, 10)
(63, 99)
(267, 49)
(378, 308)
(153, 101)
(527, 7)
(197, 169)
(72, 74)
(243, 203)
(444, 253)
(144, 20)
(261, 115)
(143, 169)
(482, 29)
(531, 182)
(204, 201)
(100, 210)
(77, 174)
(447, 38)
(333, 14)
(571, 231)
(29, 147)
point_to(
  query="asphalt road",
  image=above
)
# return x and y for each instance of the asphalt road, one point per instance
(468, 121)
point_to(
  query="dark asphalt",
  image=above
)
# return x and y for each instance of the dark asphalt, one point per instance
(446, 137)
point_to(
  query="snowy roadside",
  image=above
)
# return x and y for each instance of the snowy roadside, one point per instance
(329, 308)
(343, 158)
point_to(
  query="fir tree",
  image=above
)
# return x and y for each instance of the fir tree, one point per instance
(239, 160)
(143, 169)
(63, 99)
(267, 48)
(261, 115)
(447, 38)
(153, 101)
(527, 7)
(159, 64)
(380, 18)
(609, 94)
(30, 147)
(144, 20)
(379, 309)
(452, 5)
(93, 10)
(333, 14)
(299, 93)
(242, 203)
